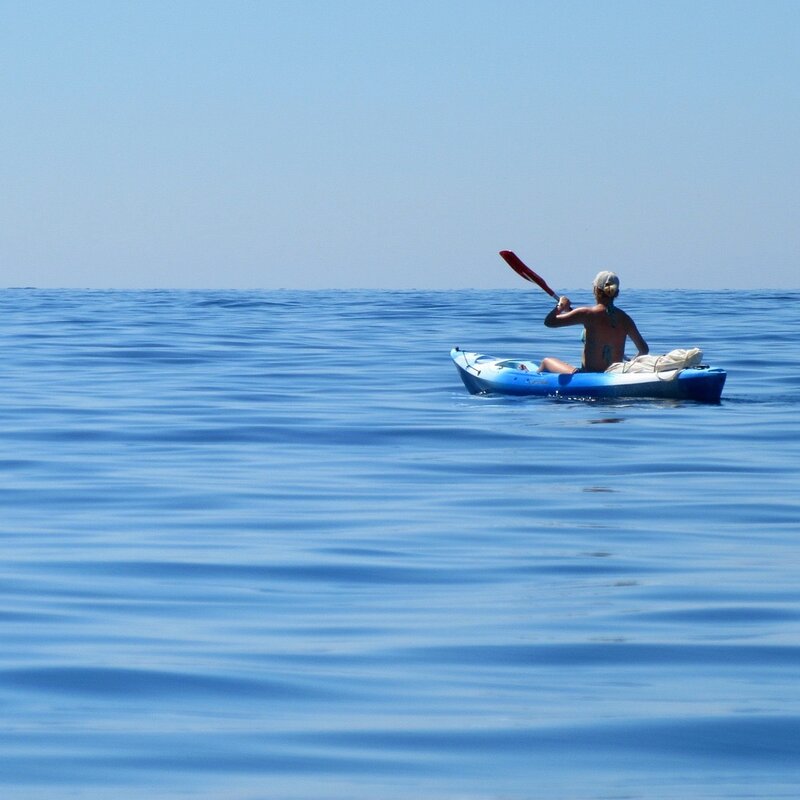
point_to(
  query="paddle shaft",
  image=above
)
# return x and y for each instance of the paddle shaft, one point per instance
(513, 261)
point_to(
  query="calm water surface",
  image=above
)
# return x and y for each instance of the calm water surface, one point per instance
(265, 545)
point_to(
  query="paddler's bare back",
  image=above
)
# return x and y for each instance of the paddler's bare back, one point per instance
(606, 332)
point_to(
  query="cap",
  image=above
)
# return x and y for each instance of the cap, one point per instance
(607, 283)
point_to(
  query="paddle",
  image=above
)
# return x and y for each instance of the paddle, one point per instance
(516, 264)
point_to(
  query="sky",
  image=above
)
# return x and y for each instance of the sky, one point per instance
(304, 144)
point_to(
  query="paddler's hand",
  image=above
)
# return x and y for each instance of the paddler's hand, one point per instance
(563, 305)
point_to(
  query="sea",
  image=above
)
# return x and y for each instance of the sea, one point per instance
(264, 544)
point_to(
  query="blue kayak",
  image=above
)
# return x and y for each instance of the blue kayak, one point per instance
(483, 374)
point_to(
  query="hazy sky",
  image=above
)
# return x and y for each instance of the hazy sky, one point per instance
(401, 144)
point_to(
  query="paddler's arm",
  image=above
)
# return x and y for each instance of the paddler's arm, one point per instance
(564, 314)
(637, 339)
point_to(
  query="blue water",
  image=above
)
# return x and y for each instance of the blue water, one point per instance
(265, 545)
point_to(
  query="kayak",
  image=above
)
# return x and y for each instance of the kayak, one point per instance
(483, 374)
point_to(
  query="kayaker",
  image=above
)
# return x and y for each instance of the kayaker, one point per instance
(606, 328)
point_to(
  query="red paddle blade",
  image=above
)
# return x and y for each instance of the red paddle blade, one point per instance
(516, 264)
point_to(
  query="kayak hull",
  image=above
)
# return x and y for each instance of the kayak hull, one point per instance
(483, 374)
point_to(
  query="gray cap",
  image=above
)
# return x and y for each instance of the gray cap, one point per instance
(604, 282)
